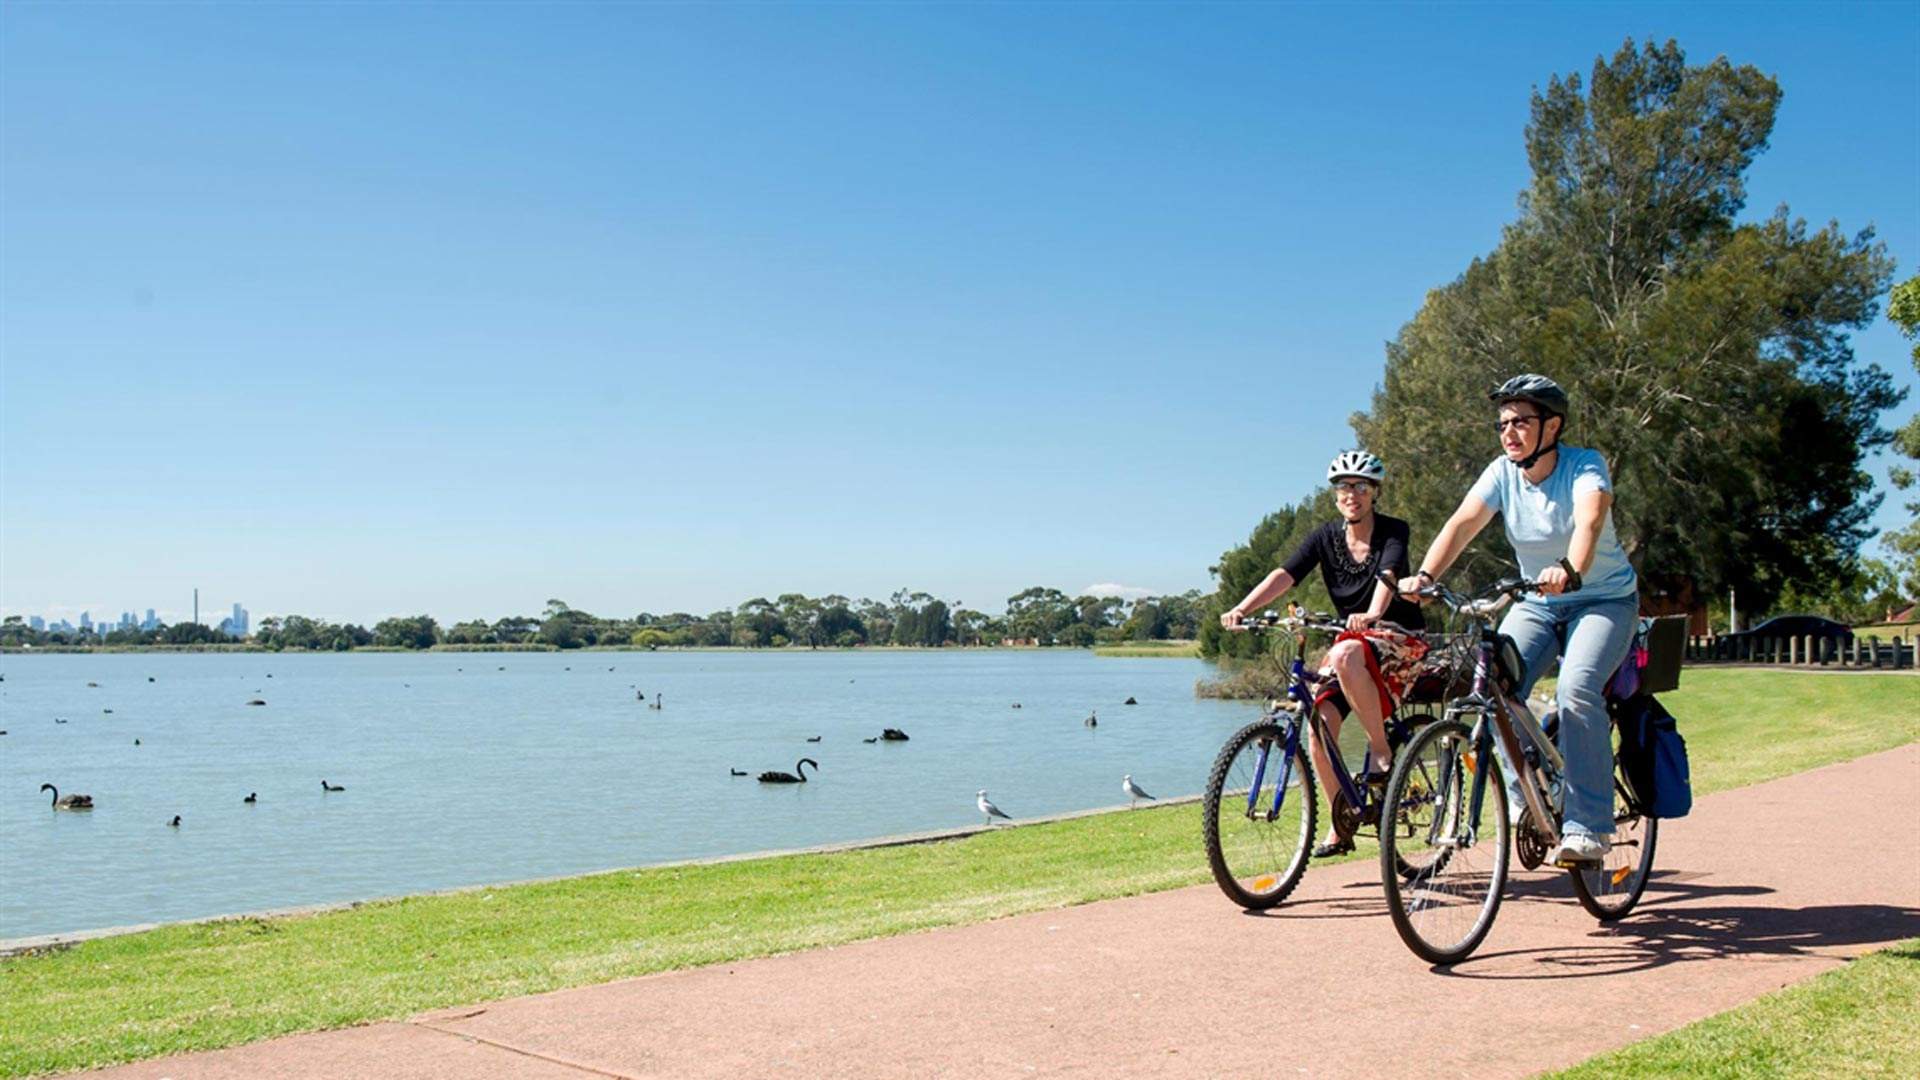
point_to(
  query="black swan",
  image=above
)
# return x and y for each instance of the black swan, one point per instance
(68, 802)
(736, 772)
(893, 734)
(256, 701)
(324, 786)
(175, 822)
(797, 776)
(1092, 720)
(254, 797)
(874, 739)
(1129, 701)
(816, 738)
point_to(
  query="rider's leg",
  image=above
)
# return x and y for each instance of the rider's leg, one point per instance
(1536, 630)
(1599, 634)
(1349, 662)
(1323, 765)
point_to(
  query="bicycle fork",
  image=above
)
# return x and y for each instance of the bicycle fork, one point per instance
(1287, 754)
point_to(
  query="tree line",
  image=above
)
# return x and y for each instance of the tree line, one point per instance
(1707, 358)
(1038, 616)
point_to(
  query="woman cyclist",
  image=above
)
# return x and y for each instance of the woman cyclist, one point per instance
(1373, 664)
(1556, 503)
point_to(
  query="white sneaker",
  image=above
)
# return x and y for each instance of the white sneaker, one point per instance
(1579, 849)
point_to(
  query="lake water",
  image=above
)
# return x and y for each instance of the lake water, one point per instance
(468, 768)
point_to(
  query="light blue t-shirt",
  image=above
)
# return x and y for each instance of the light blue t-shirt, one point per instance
(1539, 521)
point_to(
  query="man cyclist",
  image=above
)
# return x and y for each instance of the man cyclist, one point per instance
(1373, 664)
(1556, 503)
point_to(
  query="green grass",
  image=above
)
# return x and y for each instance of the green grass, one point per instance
(1858, 1021)
(1178, 649)
(219, 984)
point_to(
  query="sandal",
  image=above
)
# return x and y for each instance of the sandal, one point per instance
(1332, 848)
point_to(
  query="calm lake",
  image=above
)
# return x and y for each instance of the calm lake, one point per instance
(468, 768)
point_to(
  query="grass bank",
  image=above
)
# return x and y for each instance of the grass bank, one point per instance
(219, 984)
(1857, 1021)
(1178, 649)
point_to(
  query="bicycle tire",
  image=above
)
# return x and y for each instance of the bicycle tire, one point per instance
(1244, 859)
(1444, 911)
(1611, 892)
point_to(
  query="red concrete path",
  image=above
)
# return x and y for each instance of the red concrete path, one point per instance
(1763, 887)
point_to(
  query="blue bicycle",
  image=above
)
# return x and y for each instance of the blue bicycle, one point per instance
(1261, 806)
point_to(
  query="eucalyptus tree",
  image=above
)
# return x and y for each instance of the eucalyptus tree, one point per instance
(1707, 358)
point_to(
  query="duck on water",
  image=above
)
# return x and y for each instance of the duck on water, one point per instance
(797, 776)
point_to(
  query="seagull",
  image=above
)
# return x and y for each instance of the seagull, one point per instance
(986, 807)
(1133, 791)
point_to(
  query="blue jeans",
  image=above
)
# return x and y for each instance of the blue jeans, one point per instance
(1590, 638)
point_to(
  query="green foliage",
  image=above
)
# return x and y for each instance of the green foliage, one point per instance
(1245, 566)
(417, 632)
(1903, 307)
(1707, 360)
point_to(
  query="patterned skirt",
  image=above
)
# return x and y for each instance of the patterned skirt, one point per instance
(1393, 659)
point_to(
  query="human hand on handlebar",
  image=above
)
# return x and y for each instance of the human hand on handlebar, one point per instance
(1360, 620)
(1230, 619)
(1553, 581)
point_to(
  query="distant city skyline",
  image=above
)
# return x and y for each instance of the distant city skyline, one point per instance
(377, 310)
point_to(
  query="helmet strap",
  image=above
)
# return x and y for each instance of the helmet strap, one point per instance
(1543, 448)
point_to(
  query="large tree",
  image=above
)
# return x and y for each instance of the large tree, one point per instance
(1903, 307)
(1707, 359)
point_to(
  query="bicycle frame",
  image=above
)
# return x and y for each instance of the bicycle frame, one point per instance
(1305, 716)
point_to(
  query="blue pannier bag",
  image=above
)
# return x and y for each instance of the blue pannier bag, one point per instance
(1654, 757)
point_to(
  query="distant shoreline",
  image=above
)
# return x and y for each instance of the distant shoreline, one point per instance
(1119, 649)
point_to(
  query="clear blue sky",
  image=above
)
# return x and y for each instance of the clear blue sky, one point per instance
(362, 310)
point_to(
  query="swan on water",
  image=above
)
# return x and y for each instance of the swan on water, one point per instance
(797, 776)
(893, 734)
(324, 786)
(253, 797)
(68, 802)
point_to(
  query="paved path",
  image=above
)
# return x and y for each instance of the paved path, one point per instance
(1765, 886)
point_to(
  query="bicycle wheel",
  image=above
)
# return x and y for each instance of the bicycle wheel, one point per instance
(1257, 854)
(1444, 909)
(1612, 889)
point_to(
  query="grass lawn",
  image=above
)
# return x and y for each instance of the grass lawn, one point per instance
(1858, 1021)
(219, 984)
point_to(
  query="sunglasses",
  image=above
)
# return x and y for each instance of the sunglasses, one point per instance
(1352, 487)
(1501, 426)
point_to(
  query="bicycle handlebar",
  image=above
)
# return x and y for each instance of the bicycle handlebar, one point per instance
(1490, 600)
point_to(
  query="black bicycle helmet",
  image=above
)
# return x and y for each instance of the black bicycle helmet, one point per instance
(1546, 395)
(1538, 389)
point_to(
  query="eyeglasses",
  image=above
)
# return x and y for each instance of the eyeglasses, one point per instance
(1501, 426)
(1352, 487)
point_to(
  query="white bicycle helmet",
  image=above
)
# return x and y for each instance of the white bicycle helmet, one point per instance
(1356, 463)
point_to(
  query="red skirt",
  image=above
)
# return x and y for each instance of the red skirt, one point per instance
(1393, 660)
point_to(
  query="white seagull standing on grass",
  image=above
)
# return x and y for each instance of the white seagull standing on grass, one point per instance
(1133, 791)
(986, 807)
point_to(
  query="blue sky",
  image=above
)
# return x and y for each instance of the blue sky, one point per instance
(364, 310)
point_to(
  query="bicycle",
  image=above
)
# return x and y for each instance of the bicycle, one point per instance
(1259, 841)
(1449, 770)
